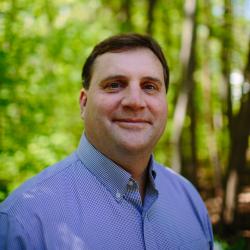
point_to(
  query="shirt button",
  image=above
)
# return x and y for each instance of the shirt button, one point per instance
(130, 183)
(118, 195)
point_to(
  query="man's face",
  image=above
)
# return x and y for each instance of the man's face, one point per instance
(125, 106)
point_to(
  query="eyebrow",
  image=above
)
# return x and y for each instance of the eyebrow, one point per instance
(124, 77)
(153, 79)
(114, 77)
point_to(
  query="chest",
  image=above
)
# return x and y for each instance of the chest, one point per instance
(100, 222)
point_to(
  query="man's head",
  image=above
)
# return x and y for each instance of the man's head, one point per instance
(123, 104)
(121, 43)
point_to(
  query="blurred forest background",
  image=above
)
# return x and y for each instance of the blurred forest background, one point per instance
(43, 45)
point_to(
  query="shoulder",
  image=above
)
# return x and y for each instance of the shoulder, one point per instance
(173, 178)
(179, 191)
(179, 187)
(37, 186)
(39, 203)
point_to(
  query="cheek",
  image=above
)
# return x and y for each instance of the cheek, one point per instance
(166, 109)
(108, 104)
(159, 107)
(90, 111)
(99, 109)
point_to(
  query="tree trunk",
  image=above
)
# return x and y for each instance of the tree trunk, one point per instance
(126, 25)
(192, 113)
(209, 112)
(151, 7)
(187, 60)
(237, 157)
(226, 57)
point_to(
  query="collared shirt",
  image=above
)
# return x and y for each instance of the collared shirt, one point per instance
(87, 201)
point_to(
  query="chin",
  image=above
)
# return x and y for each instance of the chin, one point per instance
(134, 141)
(134, 147)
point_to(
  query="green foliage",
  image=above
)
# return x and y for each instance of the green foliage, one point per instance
(240, 244)
(43, 45)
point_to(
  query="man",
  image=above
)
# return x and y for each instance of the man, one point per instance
(110, 193)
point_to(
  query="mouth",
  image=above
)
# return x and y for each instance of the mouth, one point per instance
(132, 122)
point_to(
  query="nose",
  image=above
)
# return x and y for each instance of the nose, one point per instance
(133, 98)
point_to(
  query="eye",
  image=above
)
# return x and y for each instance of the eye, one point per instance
(150, 87)
(113, 86)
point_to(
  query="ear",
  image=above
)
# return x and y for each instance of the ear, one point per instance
(82, 101)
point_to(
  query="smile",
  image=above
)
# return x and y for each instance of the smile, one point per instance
(131, 123)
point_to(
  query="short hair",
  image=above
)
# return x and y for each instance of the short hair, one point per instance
(121, 43)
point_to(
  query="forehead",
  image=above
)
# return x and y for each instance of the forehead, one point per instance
(135, 61)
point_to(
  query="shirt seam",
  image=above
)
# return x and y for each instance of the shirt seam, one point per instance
(57, 173)
(7, 210)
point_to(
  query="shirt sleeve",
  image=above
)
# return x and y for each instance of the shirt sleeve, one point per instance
(210, 233)
(12, 234)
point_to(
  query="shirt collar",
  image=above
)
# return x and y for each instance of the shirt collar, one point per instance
(111, 175)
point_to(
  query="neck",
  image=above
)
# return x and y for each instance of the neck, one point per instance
(142, 182)
(134, 162)
(138, 168)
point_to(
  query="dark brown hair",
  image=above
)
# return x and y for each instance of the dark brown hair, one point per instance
(121, 43)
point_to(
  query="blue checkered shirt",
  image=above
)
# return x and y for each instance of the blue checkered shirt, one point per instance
(87, 201)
